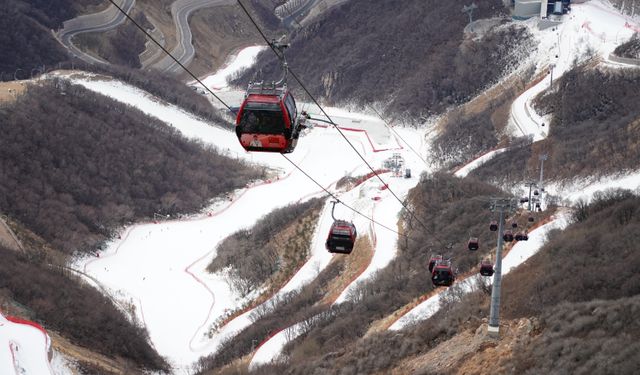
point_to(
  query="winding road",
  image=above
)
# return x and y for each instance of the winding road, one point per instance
(105, 20)
(184, 50)
(111, 18)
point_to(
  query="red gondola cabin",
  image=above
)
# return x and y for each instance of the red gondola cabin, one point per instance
(493, 226)
(507, 236)
(342, 237)
(267, 119)
(473, 244)
(486, 268)
(442, 274)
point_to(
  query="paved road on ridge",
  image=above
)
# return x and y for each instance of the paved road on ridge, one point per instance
(111, 18)
(105, 20)
(184, 51)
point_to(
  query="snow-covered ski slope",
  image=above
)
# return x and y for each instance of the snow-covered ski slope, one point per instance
(24, 349)
(592, 29)
(160, 268)
(570, 42)
(384, 209)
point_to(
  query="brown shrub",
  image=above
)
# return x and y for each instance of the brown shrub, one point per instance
(413, 56)
(256, 254)
(594, 258)
(596, 337)
(594, 130)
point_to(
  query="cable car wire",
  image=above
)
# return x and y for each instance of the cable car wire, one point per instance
(332, 195)
(304, 88)
(314, 100)
(169, 54)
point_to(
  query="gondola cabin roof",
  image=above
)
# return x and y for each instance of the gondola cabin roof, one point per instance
(266, 89)
(341, 229)
(258, 98)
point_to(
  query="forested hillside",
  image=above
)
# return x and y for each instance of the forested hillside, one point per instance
(594, 129)
(579, 294)
(253, 256)
(77, 166)
(331, 329)
(588, 298)
(413, 56)
(66, 304)
(630, 7)
(630, 49)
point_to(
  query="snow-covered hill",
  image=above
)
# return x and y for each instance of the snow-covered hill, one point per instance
(25, 349)
(159, 267)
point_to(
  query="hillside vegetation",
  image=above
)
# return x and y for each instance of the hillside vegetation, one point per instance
(331, 329)
(581, 291)
(595, 258)
(594, 129)
(26, 41)
(473, 128)
(63, 303)
(120, 46)
(629, 49)
(413, 56)
(256, 254)
(630, 7)
(585, 287)
(76, 167)
(167, 88)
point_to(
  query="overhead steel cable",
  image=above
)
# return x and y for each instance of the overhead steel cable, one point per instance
(304, 88)
(228, 107)
(332, 195)
(168, 53)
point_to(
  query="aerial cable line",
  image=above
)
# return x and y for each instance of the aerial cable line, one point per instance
(228, 107)
(332, 195)
(169, 53)
(304, 88)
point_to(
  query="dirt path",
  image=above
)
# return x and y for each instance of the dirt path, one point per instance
(99, 361)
